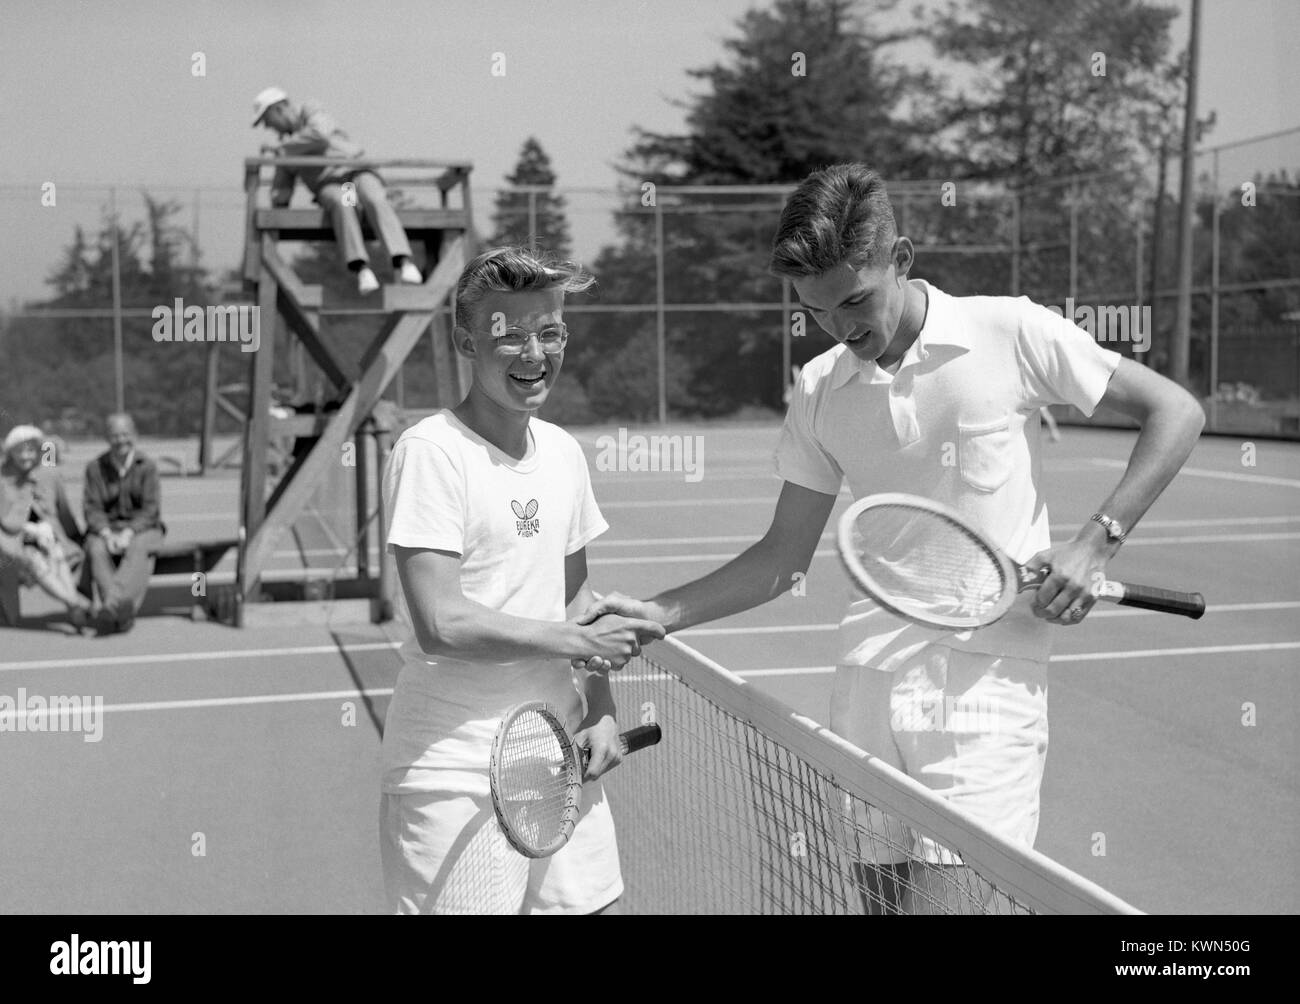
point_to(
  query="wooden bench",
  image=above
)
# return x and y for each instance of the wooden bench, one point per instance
(10, 606)
(185, 558)
(197, 557)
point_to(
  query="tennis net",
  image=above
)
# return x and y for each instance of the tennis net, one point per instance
(747, 807)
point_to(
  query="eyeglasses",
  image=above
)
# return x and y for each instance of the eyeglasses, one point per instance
(552, 339)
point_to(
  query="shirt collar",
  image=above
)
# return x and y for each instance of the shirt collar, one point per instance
(940, 328)
(122, 468)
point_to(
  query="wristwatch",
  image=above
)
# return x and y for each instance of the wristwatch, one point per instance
(1115, 531)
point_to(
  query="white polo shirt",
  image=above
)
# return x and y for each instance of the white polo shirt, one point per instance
(957, 423)
(513, 522)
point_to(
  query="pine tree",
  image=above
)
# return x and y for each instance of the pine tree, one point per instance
(536, 218)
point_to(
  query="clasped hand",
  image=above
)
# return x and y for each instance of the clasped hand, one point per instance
(40, 534)
(622, 623)
(118, 541)
(1071, 587)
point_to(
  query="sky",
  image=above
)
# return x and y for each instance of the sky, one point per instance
(97, 94)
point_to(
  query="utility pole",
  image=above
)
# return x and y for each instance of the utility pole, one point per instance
(1178, 356)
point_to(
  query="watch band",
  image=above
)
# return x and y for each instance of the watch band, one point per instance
(1114, 529)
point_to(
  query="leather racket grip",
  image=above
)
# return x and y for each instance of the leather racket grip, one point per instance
(631, 741)
(640, 737)
(1166, 601)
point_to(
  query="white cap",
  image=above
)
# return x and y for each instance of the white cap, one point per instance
(269, 97)
(21, 434)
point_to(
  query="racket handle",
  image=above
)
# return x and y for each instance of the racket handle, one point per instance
(630, 741)
(640, 737)
(1167, 601)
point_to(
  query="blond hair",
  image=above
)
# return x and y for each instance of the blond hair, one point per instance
(514, 270)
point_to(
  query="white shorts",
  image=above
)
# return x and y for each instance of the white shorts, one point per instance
(971, 727)
(444, 853)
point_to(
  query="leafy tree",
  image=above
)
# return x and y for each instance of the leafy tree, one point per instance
(1067, 104)
(59, 372)
(1062, 88)
(804, 84)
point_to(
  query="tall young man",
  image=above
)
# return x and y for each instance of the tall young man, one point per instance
(920, 379)
(490, 511)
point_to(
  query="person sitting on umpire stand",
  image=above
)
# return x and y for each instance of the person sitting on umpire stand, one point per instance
(306, 130)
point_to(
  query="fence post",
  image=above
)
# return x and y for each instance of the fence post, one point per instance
(1074, 242)
(785, 337)
(661, 336)
(1214, 302)
(1015, 244)
(1138, 231)
(119, 377)
(194, 241)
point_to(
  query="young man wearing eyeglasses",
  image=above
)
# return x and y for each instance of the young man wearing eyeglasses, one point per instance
(490, 511)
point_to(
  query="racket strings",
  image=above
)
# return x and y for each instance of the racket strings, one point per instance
(927, 564)
(533, 779)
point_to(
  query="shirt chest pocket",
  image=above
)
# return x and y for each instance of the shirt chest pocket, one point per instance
(984, 453)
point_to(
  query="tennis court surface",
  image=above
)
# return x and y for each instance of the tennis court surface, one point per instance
(238, 770)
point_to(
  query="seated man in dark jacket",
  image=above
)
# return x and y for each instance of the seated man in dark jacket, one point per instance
(123, 527)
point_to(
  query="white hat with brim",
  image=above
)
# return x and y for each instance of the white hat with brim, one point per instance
(21, 434)
(270, 96)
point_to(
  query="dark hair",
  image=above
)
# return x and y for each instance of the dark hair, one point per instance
(514, 270)
(840, 214)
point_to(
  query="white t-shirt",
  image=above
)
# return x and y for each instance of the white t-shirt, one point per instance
(513, 522)
(958, 423)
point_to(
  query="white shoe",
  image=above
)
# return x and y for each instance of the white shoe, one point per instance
(410, 274)
(367, 281)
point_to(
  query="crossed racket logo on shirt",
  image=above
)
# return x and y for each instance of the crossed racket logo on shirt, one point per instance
(526, 524)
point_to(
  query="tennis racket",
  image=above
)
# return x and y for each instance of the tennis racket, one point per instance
(536, 776)
(923, 561)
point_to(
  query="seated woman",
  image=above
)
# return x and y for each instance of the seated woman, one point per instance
(35, 523)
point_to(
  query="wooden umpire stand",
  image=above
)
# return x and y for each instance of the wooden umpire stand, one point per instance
(353, 408)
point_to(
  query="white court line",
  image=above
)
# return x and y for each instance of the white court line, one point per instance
(1057, 528)
(220, 702)
(1150, 653)
(335, 695)
(757, 629)
(1156, 653)
(1098, 611)
(705, 473)
(1062, 528)
(1202, 472)
(1208, 538)
(306, 650)
(244, 653)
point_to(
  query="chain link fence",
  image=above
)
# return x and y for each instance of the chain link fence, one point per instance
(685, 321)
